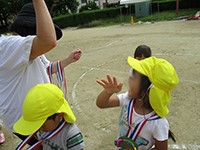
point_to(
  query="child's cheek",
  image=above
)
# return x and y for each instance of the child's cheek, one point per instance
(131, 93)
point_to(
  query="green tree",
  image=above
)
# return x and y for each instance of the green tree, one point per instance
(10, 8)
(89, 6)
(4, 12)
(59, 7)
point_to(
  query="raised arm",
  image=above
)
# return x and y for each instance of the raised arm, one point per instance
(73, 57)
(106, 98)
(45, 39)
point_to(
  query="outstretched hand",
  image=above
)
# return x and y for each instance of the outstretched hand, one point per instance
(110, 85)
(75, 55)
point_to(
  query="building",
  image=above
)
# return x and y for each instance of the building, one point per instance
(100, 3)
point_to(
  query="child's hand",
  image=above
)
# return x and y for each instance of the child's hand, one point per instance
(111, 85)
(75, 55)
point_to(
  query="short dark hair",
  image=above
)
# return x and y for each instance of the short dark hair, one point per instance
(142, 50)
(144, 85)
(52, 117)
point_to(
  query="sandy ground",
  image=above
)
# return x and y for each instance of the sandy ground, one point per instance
(105, 50)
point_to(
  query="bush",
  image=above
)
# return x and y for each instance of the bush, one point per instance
(90, 16)
(86, 17)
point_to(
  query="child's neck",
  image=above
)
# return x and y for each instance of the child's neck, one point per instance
(140, 108)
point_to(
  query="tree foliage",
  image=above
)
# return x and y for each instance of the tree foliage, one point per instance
(89, 6)
(10, 8)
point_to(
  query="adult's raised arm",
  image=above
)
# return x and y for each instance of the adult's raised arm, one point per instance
(45, 39)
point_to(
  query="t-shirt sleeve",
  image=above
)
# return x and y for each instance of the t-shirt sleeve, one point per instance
(123, 98)
(74, 139)
(15, 51)
(161, 130)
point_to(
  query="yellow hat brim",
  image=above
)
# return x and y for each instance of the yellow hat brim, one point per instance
(159, 100)
(135, 64)
(68, 114)
(25, 128)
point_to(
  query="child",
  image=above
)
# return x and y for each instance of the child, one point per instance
(22, 61)
(47, 115)
(142, 52)
(144, 107)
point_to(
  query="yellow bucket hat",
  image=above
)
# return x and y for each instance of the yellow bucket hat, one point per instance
(163, 77)
(41, 102)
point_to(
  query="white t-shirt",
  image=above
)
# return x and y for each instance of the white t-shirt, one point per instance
(69, 138)
(18, 75)
(155, 129)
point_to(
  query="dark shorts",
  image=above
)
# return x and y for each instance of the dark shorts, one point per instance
(22, 137)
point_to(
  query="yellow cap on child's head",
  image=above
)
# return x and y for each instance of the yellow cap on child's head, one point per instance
(41, 102)
(163, 77)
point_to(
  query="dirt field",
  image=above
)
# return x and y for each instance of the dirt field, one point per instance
(105, 51)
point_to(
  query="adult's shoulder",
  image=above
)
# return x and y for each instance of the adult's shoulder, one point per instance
(15, 40)
(7, 38)
(11, 37)
(15, 50)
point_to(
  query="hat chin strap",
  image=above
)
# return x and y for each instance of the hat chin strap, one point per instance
(140, 99)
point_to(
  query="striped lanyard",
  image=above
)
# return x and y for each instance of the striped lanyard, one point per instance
(135, 133)
(61, 79)
(48, 136)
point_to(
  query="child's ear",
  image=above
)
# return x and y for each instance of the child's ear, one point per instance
(60, 116)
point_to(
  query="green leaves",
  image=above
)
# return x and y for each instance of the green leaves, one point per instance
(60, 7)
(10, 8)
